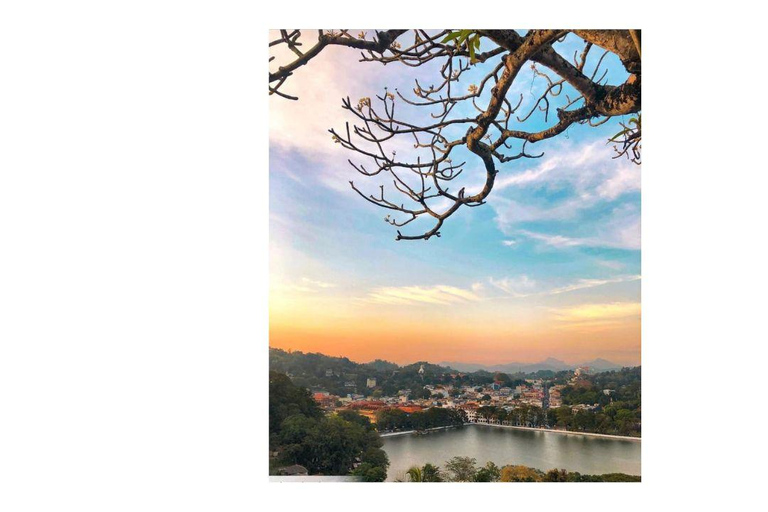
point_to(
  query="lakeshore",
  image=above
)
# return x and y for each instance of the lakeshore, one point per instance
(587, 454)
(555, 431)
(533, 429)
(407, 432)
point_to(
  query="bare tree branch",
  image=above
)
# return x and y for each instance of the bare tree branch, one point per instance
(422, 181)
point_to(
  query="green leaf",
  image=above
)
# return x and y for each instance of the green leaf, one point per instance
(451, 36)
(622, 132)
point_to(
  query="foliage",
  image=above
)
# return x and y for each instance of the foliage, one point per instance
(461, 469)
(286, 400)
(332, 374)
(523, 416)
(618, 412)
(465, 38)
(329, 445)
(311, 370)
(488, 473)
(415, 474)
(430, 473)
(370, 473)
(520, 474)
(427, 473)
(396, 419)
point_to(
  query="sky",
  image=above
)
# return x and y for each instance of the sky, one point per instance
(549, 267)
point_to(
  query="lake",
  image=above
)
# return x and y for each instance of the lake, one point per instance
(503, 446)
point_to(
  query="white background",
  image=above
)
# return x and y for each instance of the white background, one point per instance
(133, 256)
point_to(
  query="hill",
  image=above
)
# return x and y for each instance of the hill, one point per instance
(549, 364)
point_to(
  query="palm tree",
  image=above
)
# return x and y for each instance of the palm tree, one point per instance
(415, 474)
(430, 473)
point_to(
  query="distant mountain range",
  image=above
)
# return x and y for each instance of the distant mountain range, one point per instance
(548, 364)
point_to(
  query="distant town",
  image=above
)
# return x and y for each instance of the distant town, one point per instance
(536, 393)
(545, 398)
(386, 399)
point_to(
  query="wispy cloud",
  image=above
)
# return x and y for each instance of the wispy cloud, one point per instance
(613, 265)
(520, 286)
(317, 284)
(620, 231)
(508, 243)
(524, 286)
(582, 284)
(572, 183)
(307, 285)
(597, 313)
(587, 168)
(555, 240)
(408, 295)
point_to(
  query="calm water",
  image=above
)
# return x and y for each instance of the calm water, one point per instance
(540, 450)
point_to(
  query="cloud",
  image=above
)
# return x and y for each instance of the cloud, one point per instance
(625, 179)
(520, 286)
(620, 231)
(303, 125)
(582, 284)
(613, 265)
(598, 313)
(524, 286)
(588, 168)
(572, 188)
(317, 284)
(508, 243)
(307, 285)
(555, 240)
(409, 295)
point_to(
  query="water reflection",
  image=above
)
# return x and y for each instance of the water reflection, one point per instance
(541, 450)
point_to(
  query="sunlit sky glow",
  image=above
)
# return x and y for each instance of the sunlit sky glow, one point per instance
(550, 267)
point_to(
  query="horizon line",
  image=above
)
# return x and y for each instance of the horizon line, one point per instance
(622, 365)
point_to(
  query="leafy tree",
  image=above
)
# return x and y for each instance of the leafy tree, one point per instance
(328, 445)
(520, 474)
(556, 475)
(488, 473)
(354, 417)
(396, 419)
(461, 469)
(376, 457)
(370, 472)
(286, 399)
(422, 392)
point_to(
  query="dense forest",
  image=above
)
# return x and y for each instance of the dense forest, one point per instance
(395, 419)
(299, 433)
(624, 385)
(619, 407)
(523, 416)
(465, 469)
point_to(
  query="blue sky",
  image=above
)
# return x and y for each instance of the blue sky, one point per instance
(560, 232)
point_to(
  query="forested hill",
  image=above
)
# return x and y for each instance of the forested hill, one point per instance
(340, 376)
